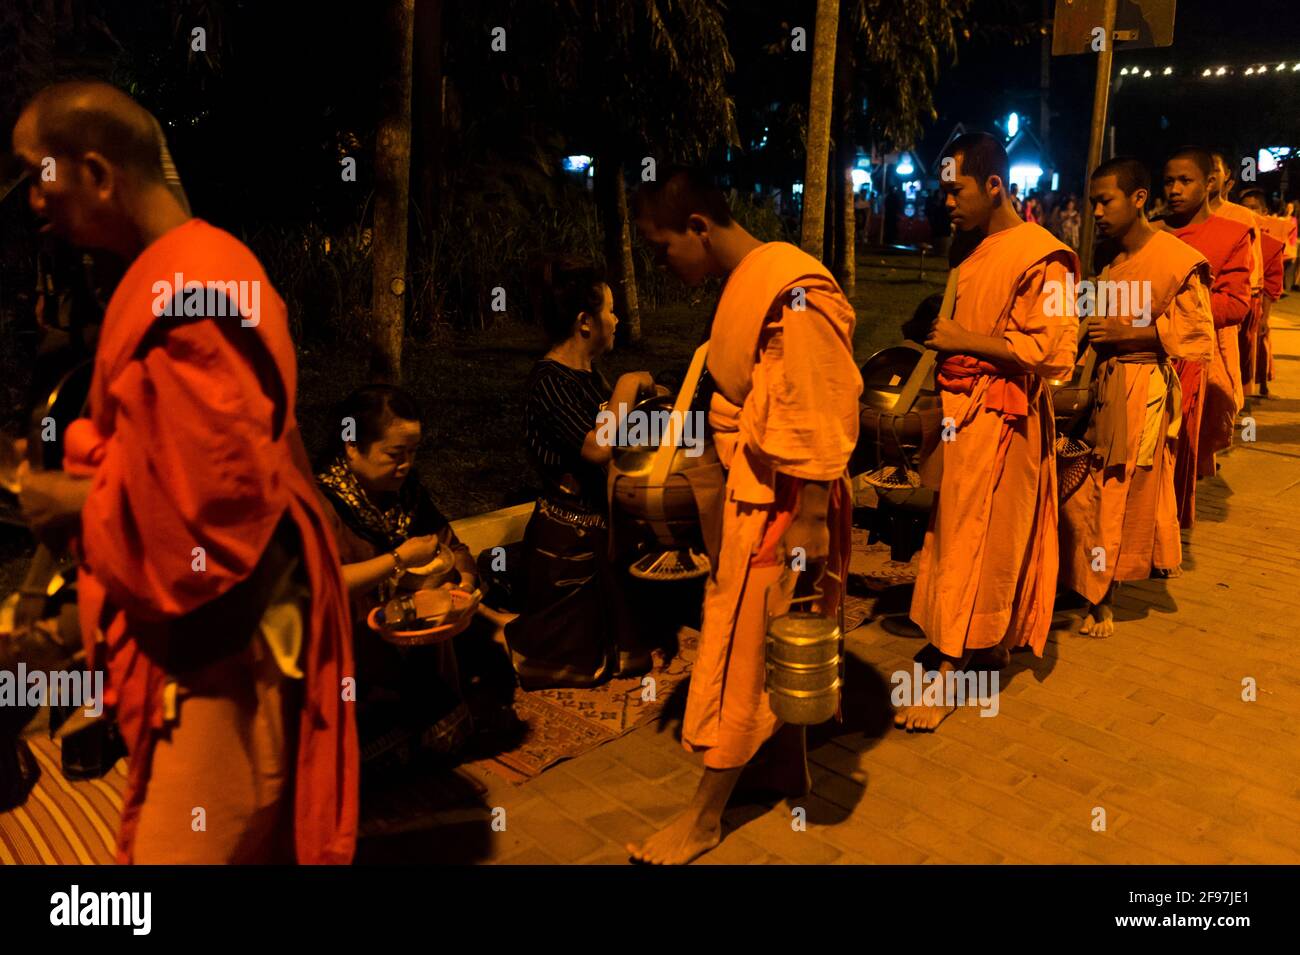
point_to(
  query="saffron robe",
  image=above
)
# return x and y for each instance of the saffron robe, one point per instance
(192, 442)
(784, 410)
(1130, 511)
(988, 569)
(1256, 348)
(1231, 343)
(1216, 387)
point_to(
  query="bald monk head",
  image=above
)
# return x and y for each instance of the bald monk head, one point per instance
(1221, 181)
(94, 158)
(1255, 201)
(1187, 176)
(684, 217)
(973, 175)
(1118, 194)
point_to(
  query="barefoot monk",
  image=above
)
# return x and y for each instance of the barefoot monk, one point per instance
(784, 415)
(987, 575)
(1122, 521)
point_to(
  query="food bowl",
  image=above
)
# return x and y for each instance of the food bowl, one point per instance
(422, 631)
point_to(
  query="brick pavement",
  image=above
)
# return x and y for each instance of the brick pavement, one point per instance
(1149, 726)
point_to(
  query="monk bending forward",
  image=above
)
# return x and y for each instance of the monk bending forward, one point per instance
(784, 415)
(987, 576)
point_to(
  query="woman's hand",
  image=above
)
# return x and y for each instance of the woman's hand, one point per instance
(641, 381)
(418, 551)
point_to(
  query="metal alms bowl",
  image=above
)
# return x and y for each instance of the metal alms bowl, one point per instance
(885, 434)
(667, 508)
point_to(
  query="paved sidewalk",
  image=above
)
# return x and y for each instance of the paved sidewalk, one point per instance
(1149, 727)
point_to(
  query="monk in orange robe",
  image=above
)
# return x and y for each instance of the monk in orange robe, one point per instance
(1256, 347)
(1209, 400)
(1122, 521)
(987, 577)
(209, 586)
(784, 416)
(1220, 189)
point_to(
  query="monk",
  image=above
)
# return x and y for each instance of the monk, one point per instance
(1221, 185)
(987, 577)
(210, 589)
(1209, 402)
(1256, 347)
(1122, 521)
(784, 417)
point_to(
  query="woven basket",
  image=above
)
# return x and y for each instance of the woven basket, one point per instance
(893, 478)
(1071, 472)
(1070, 449)
(681, 564)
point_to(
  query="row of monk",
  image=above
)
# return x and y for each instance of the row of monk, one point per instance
(191, 440)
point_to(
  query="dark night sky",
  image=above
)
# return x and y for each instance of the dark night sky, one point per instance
(1151, 116)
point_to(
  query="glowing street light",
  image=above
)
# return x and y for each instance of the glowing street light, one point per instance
(1207, 72)
(1146, 75)
(1169, 70)
(1220, 71)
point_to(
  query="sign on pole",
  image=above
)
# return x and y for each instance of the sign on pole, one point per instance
(1139, 24)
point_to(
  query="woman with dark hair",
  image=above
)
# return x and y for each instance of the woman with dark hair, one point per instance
(388, 524)
(574, 629)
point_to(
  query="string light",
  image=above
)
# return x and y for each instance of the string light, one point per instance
(1255, 69)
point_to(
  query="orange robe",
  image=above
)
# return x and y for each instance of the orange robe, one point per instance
(784, 411)
(1129, 510)
(192, 442)
(1230, 342)
(1208, 423)
(988, 569)
(1256, 348)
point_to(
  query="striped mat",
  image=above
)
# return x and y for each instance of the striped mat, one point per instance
(62, 822)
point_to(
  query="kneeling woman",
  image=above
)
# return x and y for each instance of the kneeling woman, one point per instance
(387, 524)
(575, 629)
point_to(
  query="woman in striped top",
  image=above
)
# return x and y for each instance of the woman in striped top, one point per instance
(574, 629)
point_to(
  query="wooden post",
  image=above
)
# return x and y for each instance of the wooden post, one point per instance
(819, 125)
(392, 198)
(1100, 96)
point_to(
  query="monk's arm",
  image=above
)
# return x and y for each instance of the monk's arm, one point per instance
(1230, 296)
(950, 337)
(188, 467)
(808, 531)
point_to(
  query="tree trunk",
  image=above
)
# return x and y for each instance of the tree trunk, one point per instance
(427, 139)
(845, 157)
(819, 125)
(392, 196)
(611, 200)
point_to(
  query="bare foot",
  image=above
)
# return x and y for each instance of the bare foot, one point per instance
(680, 842)
(1099, 621)
(922, 719)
